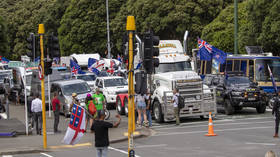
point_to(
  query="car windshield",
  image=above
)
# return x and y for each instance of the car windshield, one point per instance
(115, 82)
(103, 74)
(79, 88)
(87, 77)
(262, 73)
(170, 67)
(238, 80)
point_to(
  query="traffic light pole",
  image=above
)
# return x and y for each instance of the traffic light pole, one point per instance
(130, 27)
(41, 32)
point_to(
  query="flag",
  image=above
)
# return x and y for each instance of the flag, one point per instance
(205, 50)
(76, 127)
(119, 58)
(219, 55)
(37, 59)
(111, 69)
(75, 68)
(4, 60)
(95, 65)
(138, 65)
(272, 79)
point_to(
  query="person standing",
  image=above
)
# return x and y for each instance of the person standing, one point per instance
(148, 108)
(141, 109)
(100, 129)
(36, 108)
(276, 113)
(88, 116)
(175, 102)
(56, 112)
(98, 100)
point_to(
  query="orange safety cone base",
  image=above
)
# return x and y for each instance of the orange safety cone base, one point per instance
(210, 135)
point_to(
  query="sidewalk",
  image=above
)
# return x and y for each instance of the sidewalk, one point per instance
(34, 143)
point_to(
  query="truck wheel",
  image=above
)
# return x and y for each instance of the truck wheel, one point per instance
(119, 107)
(158, 112)
(261, 108)
(125, 101)
(229, 110)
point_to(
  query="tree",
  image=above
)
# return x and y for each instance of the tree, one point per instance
(83, 26)
(4, 49)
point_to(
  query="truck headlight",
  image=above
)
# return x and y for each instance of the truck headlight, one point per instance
(197, 97)
(236, 93)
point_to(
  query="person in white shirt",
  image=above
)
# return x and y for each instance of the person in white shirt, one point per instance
(36, 108)
(175, 102)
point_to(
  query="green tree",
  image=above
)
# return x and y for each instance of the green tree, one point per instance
(220, 32)
(4, 49)
(83, 26)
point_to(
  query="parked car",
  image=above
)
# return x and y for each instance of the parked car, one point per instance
(111, 86)
(234, 91)
(65, 89)
(88, 77)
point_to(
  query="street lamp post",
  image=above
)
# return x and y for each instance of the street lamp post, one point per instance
(108, 31)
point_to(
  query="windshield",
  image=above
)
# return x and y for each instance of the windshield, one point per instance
(170, 67)
(28, 80)
(79, 88)
(115, 82)
(238, 80)
(262, 73)
(86, 77)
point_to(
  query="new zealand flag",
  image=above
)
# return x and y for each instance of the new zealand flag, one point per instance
(75, 68)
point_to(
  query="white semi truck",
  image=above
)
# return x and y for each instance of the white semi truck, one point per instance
(175, 71)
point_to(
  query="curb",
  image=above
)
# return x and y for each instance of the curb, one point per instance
(23, 151)
(143, 133)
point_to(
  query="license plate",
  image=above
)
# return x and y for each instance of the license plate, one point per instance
(251, 98)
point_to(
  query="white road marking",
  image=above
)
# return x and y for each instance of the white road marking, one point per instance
(194, 132)
(215, 121)
(149, 146)
(46, 154)
(266, 144)
(215, 124)
(7, 156)
(122, 151)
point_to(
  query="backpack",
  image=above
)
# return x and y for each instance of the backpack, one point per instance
(181, 102)
(91, 108)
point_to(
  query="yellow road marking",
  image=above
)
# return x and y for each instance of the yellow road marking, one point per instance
(70, 146)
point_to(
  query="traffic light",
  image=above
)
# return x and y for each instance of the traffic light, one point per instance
(48, 67)
(151, 50)
(31, 46)
(53, 46)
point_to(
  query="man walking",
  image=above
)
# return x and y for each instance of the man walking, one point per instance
(275, 112)
(175, 102)
(36, 108)
(100, 129)
(98, 100)
(56, 112)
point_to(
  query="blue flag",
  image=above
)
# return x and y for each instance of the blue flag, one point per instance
(272, 79)
(219, 55)
(205, 50)
(95, 65)
(4, 60)
(75, 68)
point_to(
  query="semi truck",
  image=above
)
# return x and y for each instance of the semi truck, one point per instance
(175, 71)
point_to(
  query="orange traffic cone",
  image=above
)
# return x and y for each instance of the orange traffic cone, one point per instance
(210, 127)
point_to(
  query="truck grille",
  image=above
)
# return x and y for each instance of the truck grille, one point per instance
(191, 91)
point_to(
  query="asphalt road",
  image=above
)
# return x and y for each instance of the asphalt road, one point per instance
(245, 134)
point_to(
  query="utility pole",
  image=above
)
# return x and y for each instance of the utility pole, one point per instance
(41, 32)
(235, 27)
(108, 31)
(130, 27)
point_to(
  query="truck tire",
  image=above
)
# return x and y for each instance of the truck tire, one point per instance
(157, 111)
(229, 110)
(125, 101)
(261, 108)
(119, 107)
